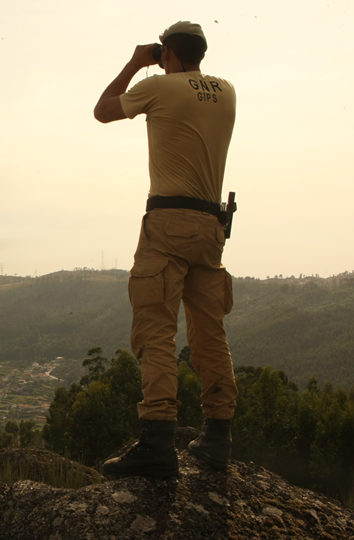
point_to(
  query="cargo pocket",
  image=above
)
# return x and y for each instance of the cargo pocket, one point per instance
(229, 299)
(146, 284)
(220, 234)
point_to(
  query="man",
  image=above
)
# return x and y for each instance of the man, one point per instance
(190, 118)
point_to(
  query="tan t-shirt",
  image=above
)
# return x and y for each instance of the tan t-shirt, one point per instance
(190, 118)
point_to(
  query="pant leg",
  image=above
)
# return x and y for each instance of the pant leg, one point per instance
(155, 289)
(207, 298)
(179, 254)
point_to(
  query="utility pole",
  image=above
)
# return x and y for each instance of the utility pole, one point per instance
(1, 269)
(102, 262)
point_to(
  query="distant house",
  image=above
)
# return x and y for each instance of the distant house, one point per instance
(35, 364)
(24, 407)
(17, 389)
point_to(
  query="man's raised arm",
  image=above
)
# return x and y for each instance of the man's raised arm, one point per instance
(109, 107)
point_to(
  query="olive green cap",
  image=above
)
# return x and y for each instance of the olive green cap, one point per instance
(184, 27)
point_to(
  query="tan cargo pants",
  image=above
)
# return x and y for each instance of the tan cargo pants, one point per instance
(179, 258)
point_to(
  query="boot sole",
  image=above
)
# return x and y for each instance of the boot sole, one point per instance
(121, 467)
(154, 473)
(220, 465)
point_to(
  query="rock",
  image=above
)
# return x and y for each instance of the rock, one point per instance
(245, 502)
(41, 465)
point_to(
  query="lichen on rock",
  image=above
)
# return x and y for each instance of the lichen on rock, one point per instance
(244, 503)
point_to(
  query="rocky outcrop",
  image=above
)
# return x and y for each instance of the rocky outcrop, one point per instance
(44, 466)
(246, 502)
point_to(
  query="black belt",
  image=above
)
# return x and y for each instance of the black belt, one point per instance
(157, 201)
(224, 215)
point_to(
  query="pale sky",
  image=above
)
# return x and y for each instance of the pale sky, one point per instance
(72, 188)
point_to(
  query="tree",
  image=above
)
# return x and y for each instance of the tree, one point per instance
(332, 449)
(89, 422)
(104, 417)
(57, 425)
(96, 365)
(185, 356)
(12, 427)
(265, 420)
(6, 439)
(28, 435)
(189, 390)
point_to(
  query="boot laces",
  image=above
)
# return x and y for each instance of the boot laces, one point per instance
(134, 450)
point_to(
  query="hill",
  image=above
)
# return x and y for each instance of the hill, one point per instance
(302, 326)
(63, 314)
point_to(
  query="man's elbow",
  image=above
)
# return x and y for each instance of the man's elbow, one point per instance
(109, 110)
(99, 114)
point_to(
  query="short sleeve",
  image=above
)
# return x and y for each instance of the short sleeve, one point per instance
(142, 98)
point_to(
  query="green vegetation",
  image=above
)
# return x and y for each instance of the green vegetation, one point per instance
(93, 419)
(99, 415)
(26, 392)
(59, 314)
(298, 424)
(23, 435)
(301, 326)
(307, 437)
(58, 473)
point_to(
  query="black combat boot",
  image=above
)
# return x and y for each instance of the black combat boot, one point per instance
(153, 454)
(214, 444)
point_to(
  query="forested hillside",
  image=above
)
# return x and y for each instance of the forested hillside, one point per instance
(63, 314)
(303, 326)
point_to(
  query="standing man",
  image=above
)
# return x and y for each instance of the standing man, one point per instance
(190, 118)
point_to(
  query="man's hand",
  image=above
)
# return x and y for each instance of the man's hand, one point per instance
(109, 107)
(142, 56)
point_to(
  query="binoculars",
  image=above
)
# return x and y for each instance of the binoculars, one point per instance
(156, 53)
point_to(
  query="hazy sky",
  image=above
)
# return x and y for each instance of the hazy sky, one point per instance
(72, 188)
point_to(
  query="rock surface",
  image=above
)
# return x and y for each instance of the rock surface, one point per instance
(245, 502)
(44, 466)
